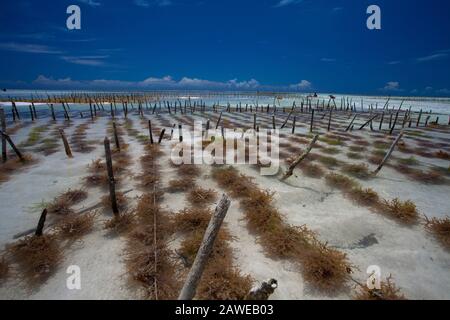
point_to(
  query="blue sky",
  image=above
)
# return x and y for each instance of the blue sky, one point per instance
(305, 45)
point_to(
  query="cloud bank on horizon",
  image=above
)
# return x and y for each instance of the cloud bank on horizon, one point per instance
(275, 45)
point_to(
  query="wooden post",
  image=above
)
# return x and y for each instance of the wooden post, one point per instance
(386, 157)
(351, 123)
(287, 119)
(418, 119)
(52, 110)
(116, 137)
(395, 122)
(206, 129)
(91, 111)
(66, 114)
(254, 121)
(426, 121)
(161, 136)
(180, 132)
(40, 227)
(312, 121)
(31, 113)
(3, 127)
(293, 125)
(150, 131)
(15, 110)
(367, 122)
(112, 111)
(195, 274)
(66, 143)
(13, 146)
(273, 122)
(300, 158)
(381, 121)
(111, 181)
(218, 121)
(329, 120)
(34, 110)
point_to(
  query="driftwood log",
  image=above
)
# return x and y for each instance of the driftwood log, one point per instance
(300, 158)
(195, 274)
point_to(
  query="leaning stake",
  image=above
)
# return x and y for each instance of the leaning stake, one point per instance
(66, 143)
(195, 274)
(386, 157)
(297, 161)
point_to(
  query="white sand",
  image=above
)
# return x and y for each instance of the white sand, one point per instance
(419, 264)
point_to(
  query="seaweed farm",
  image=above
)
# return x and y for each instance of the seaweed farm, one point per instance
(316, 192)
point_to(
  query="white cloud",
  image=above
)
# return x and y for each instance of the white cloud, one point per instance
(432, 57)
(28, 48)
(394, 62)
(302, 85)
(443, 91)
(392, 86)
(283, 3)
(94, 61)
(148, 3)
(91, 3)
(328, 60)
(166, 82)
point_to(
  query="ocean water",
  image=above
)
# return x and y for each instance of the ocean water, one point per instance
(439, 107)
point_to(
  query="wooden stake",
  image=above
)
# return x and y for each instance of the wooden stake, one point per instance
(111, 180)
(329, 120)
(351, 123)
(40, 227)
(116, 136)
(13, 146)
(381, 121)
(3, 127)
(91, 111)
(367, 122)
(312, 121)
(66, 143)
(395, 122)
(150, 131)
(52, 110)
(300, 158)
(218, 121)
(386, 157)
(195, 274)
(293, 125)
(31, 113)
(287, 119)
(161, 135)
